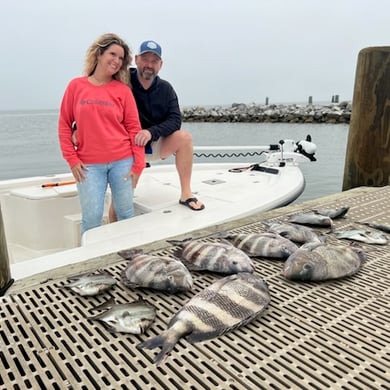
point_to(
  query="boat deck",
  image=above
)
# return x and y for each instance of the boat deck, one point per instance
(327, 335)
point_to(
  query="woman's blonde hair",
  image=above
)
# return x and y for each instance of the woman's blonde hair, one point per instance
(98, 47)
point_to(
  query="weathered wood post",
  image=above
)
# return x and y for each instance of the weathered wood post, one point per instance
(5, 274)
(367, 161)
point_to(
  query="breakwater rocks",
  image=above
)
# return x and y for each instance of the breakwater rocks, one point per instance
(288, 113)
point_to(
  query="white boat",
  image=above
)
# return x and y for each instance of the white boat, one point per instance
(41, 215)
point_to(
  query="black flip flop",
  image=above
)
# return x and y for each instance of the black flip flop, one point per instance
(191, 200)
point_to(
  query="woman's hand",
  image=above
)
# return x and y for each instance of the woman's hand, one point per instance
(78, 171)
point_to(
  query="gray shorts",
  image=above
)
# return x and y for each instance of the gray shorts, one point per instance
(155, 155)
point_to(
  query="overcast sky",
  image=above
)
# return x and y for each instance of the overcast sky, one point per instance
(215, 52)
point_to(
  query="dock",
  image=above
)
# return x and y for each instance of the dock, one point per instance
(324, 335)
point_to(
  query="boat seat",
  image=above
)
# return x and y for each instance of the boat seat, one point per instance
(39, 193)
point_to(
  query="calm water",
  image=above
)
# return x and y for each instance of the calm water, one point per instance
(29, 146)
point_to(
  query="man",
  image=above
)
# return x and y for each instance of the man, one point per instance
(160, 117)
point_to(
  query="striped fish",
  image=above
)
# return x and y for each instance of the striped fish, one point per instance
(228, 303)
(218, 257)
(271, 245)
(321, 261)
(297, 233)
(156, 272)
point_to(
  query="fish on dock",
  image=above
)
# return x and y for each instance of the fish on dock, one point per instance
(134, 317)
(265, 244)
(90, 284)
(162, 273)
(220, 257)
(320, 261)
(368, 237)
(339, 212)
(297, 233)
(379, 226)
(227, 304)
(312, 219)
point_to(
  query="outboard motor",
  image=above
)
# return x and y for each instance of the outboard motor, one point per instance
(307, 148)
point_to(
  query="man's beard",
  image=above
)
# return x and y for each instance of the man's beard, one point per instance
(147, 75)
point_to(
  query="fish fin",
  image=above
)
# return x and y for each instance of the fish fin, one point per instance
(221, 234)
(178, 253)
(96, 318)
(179, 242)
(104, 305)
(129, 254)
(196, 337)
(166, 343)
(226, 242)
(126, 281)
(78, 276)
(129, 284)
(191, 266)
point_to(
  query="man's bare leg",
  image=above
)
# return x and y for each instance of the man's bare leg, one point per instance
(179, 143)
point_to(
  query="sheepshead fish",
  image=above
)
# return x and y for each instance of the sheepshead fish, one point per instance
(156, 272)
(296, 233)
(227, 304)
(134, 317)
(271, 245)
(218, 257)
(363, 236)
(320, 261)
(379, 226)
(332, 213)
(312, 219)
(90, 284)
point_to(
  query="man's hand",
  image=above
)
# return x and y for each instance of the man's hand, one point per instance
(134, 176)
(74, 138)
(143, 137)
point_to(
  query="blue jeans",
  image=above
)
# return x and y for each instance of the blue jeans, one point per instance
(93, 189)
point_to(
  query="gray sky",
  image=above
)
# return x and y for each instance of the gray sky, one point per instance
(215, 52)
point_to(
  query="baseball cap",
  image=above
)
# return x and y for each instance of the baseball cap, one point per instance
(150, 47)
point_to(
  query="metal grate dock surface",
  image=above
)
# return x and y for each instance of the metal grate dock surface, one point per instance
(328, 335)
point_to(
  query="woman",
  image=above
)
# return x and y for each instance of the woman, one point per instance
(103, 107)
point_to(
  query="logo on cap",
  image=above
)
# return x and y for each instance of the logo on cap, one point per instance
(150, 46)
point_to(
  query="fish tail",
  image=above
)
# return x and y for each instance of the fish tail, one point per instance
(166, 343)
(179, 242)
(104, 305)
(129, 254)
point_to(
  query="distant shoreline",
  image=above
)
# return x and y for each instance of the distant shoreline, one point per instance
(240, 112)
(286, 113)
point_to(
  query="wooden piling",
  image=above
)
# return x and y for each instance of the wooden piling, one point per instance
(5, 273)
(367, 161)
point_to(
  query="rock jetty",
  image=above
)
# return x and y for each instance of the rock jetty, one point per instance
(287, 113)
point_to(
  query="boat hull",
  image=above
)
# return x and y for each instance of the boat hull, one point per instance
(42, 225)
